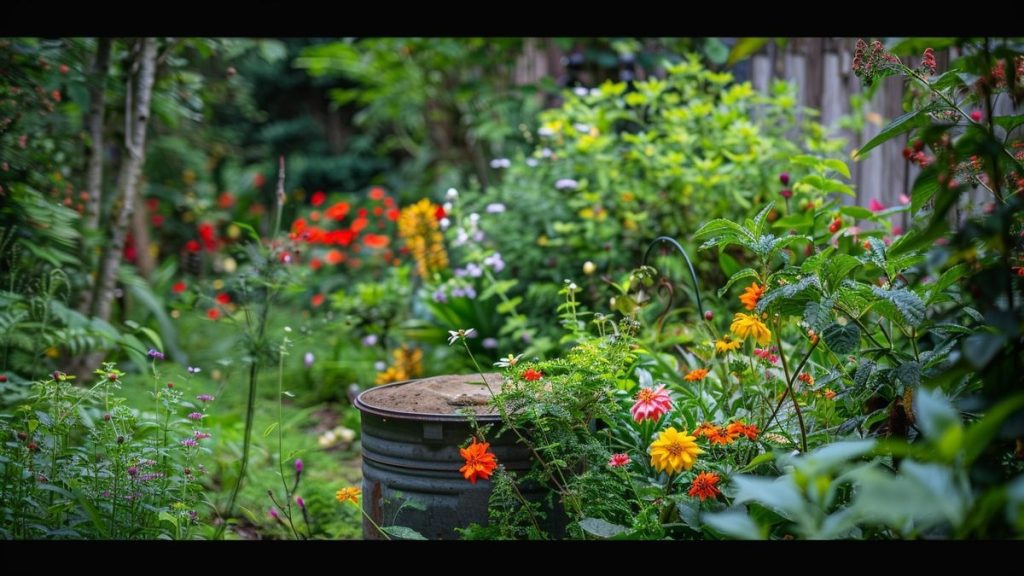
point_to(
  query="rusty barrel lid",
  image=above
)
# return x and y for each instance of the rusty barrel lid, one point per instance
(435, 399)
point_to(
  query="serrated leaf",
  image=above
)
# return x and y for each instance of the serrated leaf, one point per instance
(876, 254)
(863, 373)
(842, 339)
(741, 275)
(946, 280)
(722, 232)
(601, 528)
(838, 269)
(788, 292)
(758, 226)
(817, 316)
(909, 373)
(1008, 123)
(909, 304)
(899, 125)
(925, 186)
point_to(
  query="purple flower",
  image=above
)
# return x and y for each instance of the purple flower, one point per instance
(189, 443)
(474, 270)
(300, 501)
(274, 514)
(298, 465)
(150, 476)
(564, 183)
(196, 416)
(494, 261)
(370, 340)
(380, 365)
(532, 162)
(204, 398)
(440, 296)
(495, 208)
(155, 354)
(308, 359)
(458, 292)
(200, 435)
(489, 343)
(470, 292)
(132, 471)
(478, 236)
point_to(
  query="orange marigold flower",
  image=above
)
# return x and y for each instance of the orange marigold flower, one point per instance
(315, 264)
(695, 375)
(350, 494)
(830, 394)
(703, 486)
(740, 428)
(706, 429)
(213, 313)
(334, 257)
(806, 378)
(751, 295)
(530, 375)
(723, 437)
(317, 300)
(376, 193)
(479, 462)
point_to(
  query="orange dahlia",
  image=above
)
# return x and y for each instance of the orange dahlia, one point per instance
(479, 462)
(751, 295)
(695, 375)
(703, 486)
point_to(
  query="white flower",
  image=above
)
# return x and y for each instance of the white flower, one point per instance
(501, 163)
(580, 91)
(545, 131)
(451, 194)
(581, 127)
(563, 183)
(531, 162)
(460, 334)
(445, 223)
(495, 208)
(474, 217)
(507, 361)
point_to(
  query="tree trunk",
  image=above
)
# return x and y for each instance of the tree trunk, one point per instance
(137, 109)
(94, 175)
(140, 232)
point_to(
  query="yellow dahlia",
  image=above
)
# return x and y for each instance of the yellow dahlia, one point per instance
(744, 325)
(673, 451)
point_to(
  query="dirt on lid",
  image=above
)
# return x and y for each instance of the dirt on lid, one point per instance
(436, 395)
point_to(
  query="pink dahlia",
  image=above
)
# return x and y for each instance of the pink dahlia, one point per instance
(619, 460)
(651, 403)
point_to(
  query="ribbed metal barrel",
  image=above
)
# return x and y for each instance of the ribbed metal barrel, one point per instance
(411, 459)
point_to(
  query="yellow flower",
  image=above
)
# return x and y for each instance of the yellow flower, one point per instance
(695, 375)
(751, 295)
(744, 325)
(726, 344)
(673, 451)
(418, 225)
(350, 494)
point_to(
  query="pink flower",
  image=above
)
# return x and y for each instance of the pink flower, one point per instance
(875, 205)
(618, 460)
(904, 199)
(651, 403)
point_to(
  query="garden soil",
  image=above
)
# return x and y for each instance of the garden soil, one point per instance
(437, 395)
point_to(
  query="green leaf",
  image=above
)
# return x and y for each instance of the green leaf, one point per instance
(741, 275)
(980, 348)
(838, 269)
(1008, 123)
(600, 528)
(270, 429)
(760, 219)
(778, 494)
(858, 212)
(925, 186)
(498, 287)
(980, 434)
(757, 461)
(402, 533)
(863, 373)
(744, 48)
(817, 316)
(946, 280)
(723, 232)
(508, 306)
(901, 124)
(727, 263)
(934, 413)
(837, 165)
(734, 523)
(909, 373)
(909, 304)
(807, 160)
(842, 339)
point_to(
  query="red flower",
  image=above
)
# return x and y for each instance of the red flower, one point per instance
(55, 95)
(530, 375)
(440, 213)
(157, 220)
(64, 69)
(213, 313)
(362, 213)
(192, 246)
(3, 378)
(208, 235)
(223, 298)
(376, 193)
(178, 287)
(152, 204)
(703, 486)
(335, 257)
(480, 463)
(315, 264)
(619, 460)
(317, 300)
(377, 211)
(258, 180)
(225, 200)
(359, 223)
(376, 241)
(318, 198)
(337, 211)
(392, 214)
